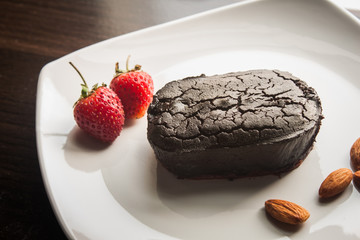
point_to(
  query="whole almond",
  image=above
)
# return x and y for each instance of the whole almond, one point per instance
(335, 183)
(355, 155)
(285, 211)
(356, 178)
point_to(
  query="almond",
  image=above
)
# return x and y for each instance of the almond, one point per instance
(335, 183)
(285, 211)
(355, 155)
(356, 178)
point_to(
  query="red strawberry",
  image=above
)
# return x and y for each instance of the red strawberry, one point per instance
(99, 112)
(135, 88)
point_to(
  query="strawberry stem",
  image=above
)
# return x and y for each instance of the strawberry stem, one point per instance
(127, 63)
(84, 86)
(118, 71)
(83, 79)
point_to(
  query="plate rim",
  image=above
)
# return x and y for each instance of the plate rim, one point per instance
(41, 80)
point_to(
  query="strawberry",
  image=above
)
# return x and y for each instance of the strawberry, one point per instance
(135, 88)
(99, 111)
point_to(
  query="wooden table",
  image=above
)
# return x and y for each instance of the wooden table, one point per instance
(33, 33)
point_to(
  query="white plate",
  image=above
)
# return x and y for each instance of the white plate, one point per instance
(118, 192)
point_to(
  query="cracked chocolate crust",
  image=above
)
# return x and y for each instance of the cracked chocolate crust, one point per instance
(236, 124)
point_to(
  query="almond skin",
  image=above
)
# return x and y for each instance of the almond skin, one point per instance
(355, 155)
(356, 178)
(285, 211)
(335, 183)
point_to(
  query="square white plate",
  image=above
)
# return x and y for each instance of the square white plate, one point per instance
(119, 192)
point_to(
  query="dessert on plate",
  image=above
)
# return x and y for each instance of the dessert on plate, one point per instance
(233, 125)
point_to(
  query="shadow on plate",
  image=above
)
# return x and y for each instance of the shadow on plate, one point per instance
(85, 153)
(216, 209)
(203, 198)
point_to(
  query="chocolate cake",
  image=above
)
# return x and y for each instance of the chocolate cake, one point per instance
(234, 125)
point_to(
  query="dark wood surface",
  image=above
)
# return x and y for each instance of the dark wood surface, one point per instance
(33, 33)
